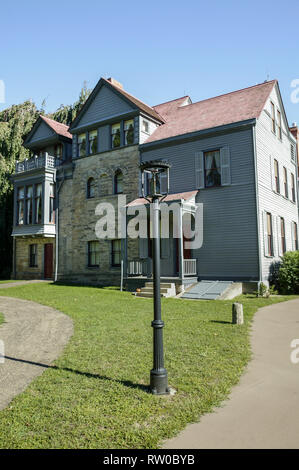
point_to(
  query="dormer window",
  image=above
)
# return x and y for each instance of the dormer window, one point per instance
(115, 135)
(93, 142)
(129, 132)
(81, 145)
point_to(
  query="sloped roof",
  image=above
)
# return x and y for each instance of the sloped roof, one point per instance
(170, 197)
(58, 127)
(233, 107)
(142, 106)
(167, 108)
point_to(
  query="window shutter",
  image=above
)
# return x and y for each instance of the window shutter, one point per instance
(225, 166)
(164, 248)
(266, 248)
(293, 235)
(199, 170)
(279, 235)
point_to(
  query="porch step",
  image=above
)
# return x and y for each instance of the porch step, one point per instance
(167, 290)
(212, 290)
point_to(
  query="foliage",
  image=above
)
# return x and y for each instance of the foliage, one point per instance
(289, 273)
(95, 395)
(263, 290)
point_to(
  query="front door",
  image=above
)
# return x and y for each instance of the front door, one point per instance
(48, 261)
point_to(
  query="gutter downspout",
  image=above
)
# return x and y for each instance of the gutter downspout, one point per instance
(257, 203)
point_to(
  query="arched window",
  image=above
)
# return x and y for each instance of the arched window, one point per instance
(90, 188)
(118, 182)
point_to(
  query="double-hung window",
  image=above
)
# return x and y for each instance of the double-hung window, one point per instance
(29, 204)
(129, 132)
(115, 135)
(212, 168)
(282, 235)
(273, 117)
(51, 204)
(20, 206)
(285, 182)
(93, 254)
(293, 188)
(295, 235)
(33, 256)
(276, 176)
(38, 203)
(279, 133)
(81, 145)
(93, 142)
(115, 253)
(269, 235)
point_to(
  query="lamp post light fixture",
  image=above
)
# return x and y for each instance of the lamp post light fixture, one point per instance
(155, 169)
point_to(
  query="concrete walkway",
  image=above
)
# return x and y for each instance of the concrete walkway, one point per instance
(263, 410)
(34, 336)
(20, 283)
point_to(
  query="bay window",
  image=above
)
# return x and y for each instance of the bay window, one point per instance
(29, 205)
(129, 132)
(115, 135)
(81, 145)
(38, 203)
(92, 142)
(20, 206)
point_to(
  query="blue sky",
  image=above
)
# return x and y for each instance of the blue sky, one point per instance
(159, 50)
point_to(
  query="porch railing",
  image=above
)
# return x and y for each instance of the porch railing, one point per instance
(138, 267)
(38, 161)
(190, 267)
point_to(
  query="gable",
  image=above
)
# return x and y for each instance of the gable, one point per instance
(105, 104)
(276, 99)
(41, 132)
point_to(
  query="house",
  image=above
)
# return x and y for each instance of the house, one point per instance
(234, 154)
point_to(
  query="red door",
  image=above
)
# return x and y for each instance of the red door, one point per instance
(48, 272)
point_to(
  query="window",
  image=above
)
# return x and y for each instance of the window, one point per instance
(293, 188)
(93, 142)
(90, 188)
(145, 126)
(115, 135)
(269, 241)
(292, 152)
(29, 205)
(118, 182)
(58, 151)
(32, 256)
(273, 117)
(212, 168)
(81, 145)
(282, 235)
(285, 182)
(295, 236)
(279, 124)
(93, 253)
(115, 252)
(276, 176)
(129, 132)
(20, 206)
(38, 203)
(51, 204)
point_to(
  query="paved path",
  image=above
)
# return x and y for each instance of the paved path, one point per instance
(34, 336)
(19, 283)
(263, 410)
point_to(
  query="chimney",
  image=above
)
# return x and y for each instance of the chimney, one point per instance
(115, 82)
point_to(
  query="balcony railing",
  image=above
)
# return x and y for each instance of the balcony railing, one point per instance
(38, 161)
(190, 267)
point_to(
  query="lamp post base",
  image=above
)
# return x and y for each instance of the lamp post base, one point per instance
(159, 382)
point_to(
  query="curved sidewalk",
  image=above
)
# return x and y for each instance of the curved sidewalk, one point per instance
(263, 409)
(34, 336)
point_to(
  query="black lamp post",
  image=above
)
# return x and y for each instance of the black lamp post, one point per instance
(155, 169)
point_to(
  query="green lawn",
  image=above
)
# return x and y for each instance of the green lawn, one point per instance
(95, 396)
(1, 319)
(8, 281)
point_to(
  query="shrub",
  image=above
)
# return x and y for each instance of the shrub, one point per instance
(288, 276)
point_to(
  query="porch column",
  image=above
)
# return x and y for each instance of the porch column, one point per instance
(181, 244)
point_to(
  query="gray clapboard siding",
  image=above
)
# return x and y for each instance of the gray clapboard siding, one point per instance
(42, 132)
(230, 249)
(105, 105)
(268, 148)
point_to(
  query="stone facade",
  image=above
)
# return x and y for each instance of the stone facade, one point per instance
(21, 255)
(77, 219)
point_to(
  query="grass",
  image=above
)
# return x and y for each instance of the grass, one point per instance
(1, 318)
(95, 396)
(8, 281)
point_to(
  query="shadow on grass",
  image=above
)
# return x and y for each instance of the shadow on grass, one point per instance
(222, 322)
(126, 383)
(77, 284)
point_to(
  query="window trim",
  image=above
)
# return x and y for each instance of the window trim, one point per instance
(204, 167)
(270, 247)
